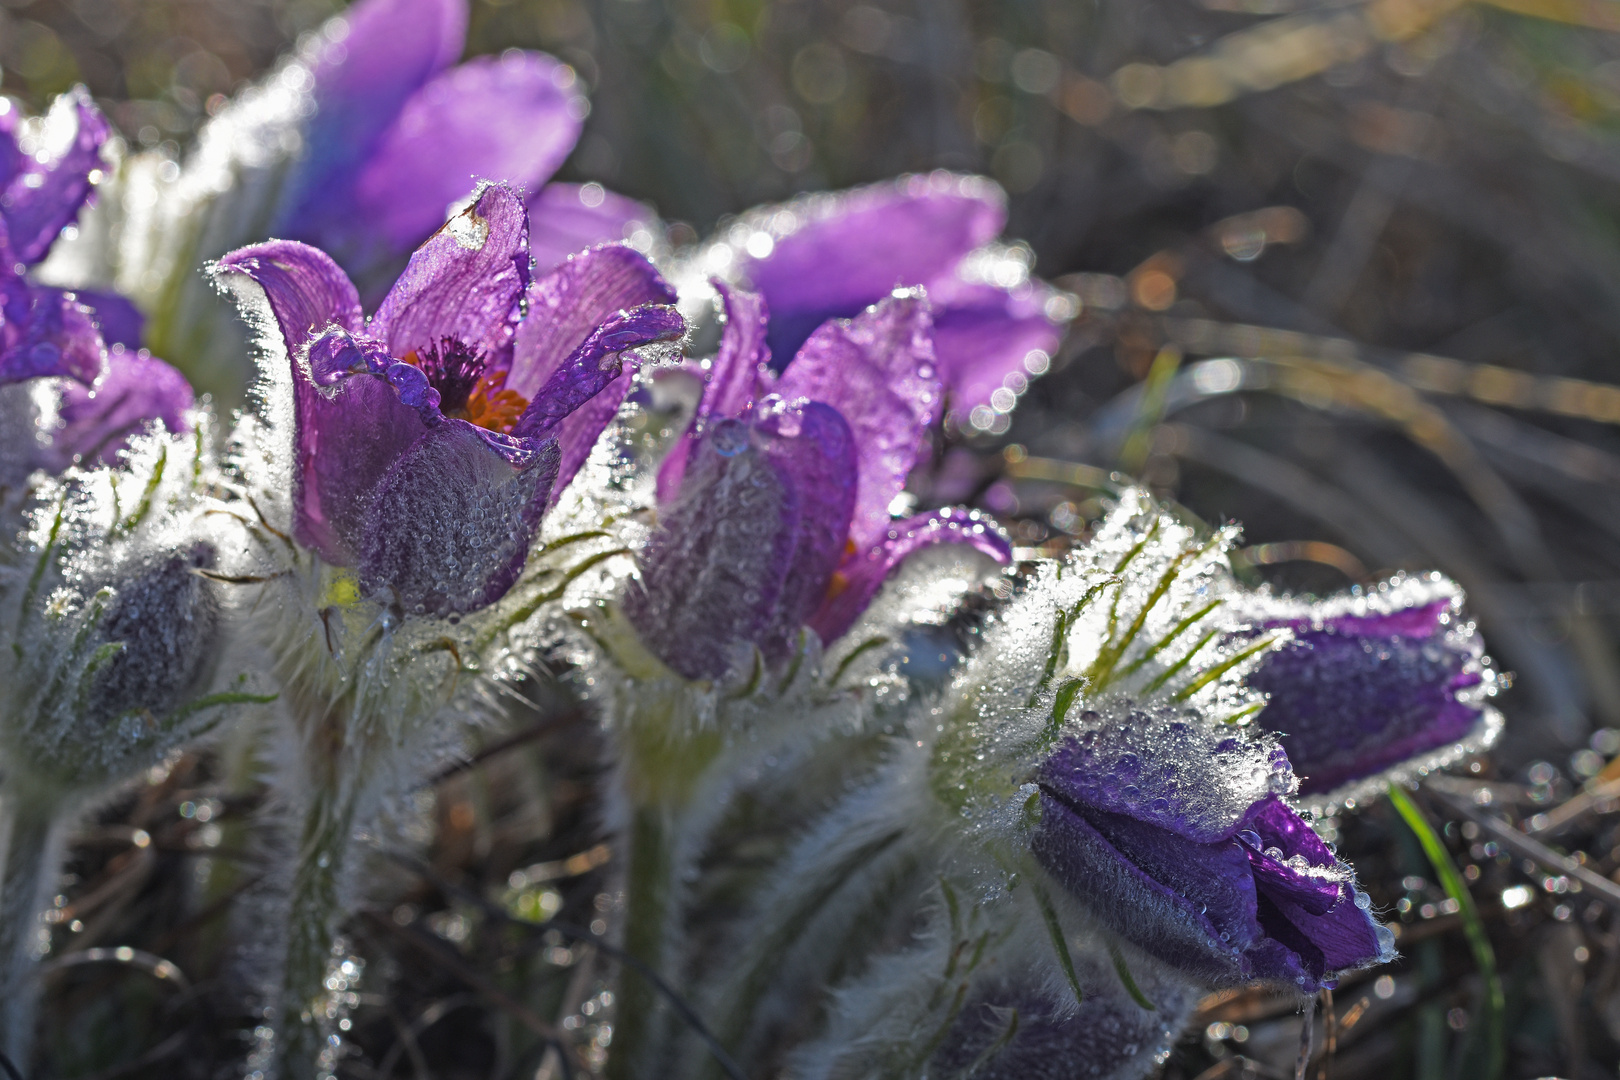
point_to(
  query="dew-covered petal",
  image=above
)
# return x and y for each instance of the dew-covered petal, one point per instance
(137, 391)
(860, 245)
(712, 572)
(1350, 700)
(511, 118)
(594, 364)
(1117, 877)
(863, 573)
(42, 196)
(812, 445)
(464, 282)
(565, 219)
(878, 370)
(388, 49)
(305, 290)
(46, 332)
(568, 303)
(737, 378)
(982, 337)
(449, 528)
(1165, 766)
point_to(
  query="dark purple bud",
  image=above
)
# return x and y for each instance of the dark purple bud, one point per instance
(748, 549)
(1174, 832)
(166, 616)
(1371, 683)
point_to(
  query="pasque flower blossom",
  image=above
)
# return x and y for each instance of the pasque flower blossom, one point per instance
(776, 501)
(398, 134)
(47, 172)
(431, 437)
(1395, 678)
(1178, 836)
(831, 255)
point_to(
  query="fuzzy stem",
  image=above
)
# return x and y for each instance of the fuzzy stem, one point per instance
(308, 1008)
(36, 831)
(641, 1015)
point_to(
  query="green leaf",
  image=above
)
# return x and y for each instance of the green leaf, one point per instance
(1060, 944)
(1479, 942)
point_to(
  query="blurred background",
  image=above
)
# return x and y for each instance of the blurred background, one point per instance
(1349, 272)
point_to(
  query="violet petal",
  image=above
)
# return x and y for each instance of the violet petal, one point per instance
(41, 197)
(1362, 694)
(981, 336)
(119, 320)
(815, 447)
(137, 391)
(863, 573)
(464, 283)
(449, 528)
(512, 118)
(565, 219)
(737, 378)
(870, 241)
(878, 370)
(391, 49)
(46, 332)
(594, 364)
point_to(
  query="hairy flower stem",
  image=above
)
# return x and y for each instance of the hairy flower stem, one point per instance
(641, 1015)
(36, 831)
(309, 1006)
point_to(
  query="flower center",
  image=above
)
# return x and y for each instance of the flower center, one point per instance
(466, 391)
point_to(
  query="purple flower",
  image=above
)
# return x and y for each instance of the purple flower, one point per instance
(1373, 682)
(47, 332)
(775, 504)
(399, 135)
(430, 438)
(830, 256)
(1011, 1030)
(1174, 833)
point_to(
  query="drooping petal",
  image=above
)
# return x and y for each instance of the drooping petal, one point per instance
(597, 362)
(512, 118)
(1371, 683)
(137, 391)
(863, 573)
(878, 370)
(738, 377)
(46, 332)
(565, 219)
(464, 283)
(853, 248)
(712, 573)
(451, 523)
(305, 290)
(982, 338)
(386, 51)
(570, 301)
(815, 447)
(46, 190)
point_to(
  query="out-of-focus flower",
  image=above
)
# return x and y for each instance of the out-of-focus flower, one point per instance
(431, 437)
(1175, 833)
(1392, 679)
(399, 135)
(48, 169)
(776, 501)
(828, 256)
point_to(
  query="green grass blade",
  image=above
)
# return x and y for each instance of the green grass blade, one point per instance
(1478, 942)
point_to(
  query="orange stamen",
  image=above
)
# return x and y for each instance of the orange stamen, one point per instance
(494, 407)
